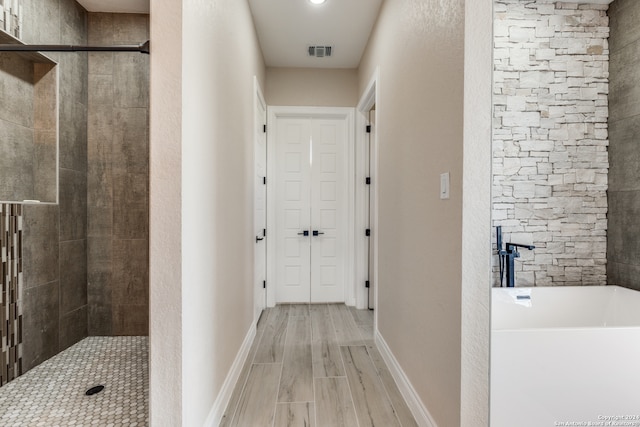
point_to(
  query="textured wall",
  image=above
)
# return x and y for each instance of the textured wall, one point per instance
(316, 87)
(623, 251)
(419, 48)
(201, 202)
(118, 178)
(55, 236)
(550, 143)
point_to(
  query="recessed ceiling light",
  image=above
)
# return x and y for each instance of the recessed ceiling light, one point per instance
(317, 1)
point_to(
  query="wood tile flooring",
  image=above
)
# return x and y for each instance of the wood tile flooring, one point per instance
(317, 366)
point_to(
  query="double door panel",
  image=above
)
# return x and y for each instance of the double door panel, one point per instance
(311, 209)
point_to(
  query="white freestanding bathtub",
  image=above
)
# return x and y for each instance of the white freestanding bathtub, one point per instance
(565, 356)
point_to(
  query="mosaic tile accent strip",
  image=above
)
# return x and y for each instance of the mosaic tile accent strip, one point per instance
(11, 278)
(53, 393)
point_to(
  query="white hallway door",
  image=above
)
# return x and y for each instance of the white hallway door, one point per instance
(311, 205)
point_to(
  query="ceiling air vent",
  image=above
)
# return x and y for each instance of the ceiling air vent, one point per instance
(319, 51)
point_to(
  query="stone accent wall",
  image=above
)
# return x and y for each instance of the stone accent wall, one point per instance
(623, 251)
(550, 138)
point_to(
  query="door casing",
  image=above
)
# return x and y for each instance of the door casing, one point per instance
(348, 114)
(259, 292)
(367, 101)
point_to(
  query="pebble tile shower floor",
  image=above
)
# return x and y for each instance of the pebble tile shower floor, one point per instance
(53, 393)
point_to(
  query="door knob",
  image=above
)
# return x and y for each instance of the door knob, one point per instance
(316, 232)
(304, 233)
(259, 238)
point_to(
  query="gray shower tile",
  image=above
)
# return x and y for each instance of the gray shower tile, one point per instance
(624, 16)
(41, 21)
(40, 330)
(130, 319)
(130, 272)
(100, 320)
(16, 90)
(131, 77)
(73, 275)
(73, 72)
(130, 28)
(73, 205)
(40, 244)
(624, 154)
(100, 28)
(624, 85)
(101, 64)
(99, 283)
(101, 90)
(100, 221)
(627, 275)
(73, 135)
(623, 234)
(16, 163)
(73, 19)
(73, 327)
(44, 159)
(131, 205)
(131, 140)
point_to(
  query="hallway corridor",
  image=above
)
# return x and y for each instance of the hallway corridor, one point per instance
(316, 365)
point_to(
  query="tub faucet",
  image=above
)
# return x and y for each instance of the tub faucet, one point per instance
(507, 258)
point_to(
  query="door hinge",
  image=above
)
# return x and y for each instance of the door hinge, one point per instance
(264, 128)
(264, 180)
(368, 128)
(264, 232)
(367, 232)
(366, 284)
(264, 284)
(367, 180)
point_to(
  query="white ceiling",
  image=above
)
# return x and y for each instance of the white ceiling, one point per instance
(116, 6)
(286, 28)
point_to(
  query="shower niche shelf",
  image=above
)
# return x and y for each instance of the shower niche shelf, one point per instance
(6, 38)
(28, 126)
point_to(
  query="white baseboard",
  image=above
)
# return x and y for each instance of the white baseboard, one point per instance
(220, 405)
(419, 411)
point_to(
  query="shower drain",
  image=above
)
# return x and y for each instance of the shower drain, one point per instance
(94, 390)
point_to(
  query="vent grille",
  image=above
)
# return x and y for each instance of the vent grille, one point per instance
(320, 51)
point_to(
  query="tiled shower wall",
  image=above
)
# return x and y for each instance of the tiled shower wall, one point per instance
(550, 161)
(55, 236)
(118, 191)
(623, 251)
(11, 283)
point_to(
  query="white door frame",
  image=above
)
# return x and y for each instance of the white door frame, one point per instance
(258, 100)
(367, 101)
(348, 114)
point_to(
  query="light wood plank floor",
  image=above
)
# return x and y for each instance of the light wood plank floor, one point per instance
(316, 366)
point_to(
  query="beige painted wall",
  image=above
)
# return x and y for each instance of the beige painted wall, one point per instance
(476, 222)
(201, 200)
(419, 48)
(312, 87)
(165, 219)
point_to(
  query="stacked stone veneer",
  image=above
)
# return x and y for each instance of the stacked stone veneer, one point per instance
(550, 141)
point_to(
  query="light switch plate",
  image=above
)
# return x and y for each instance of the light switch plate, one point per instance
(444, 185)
